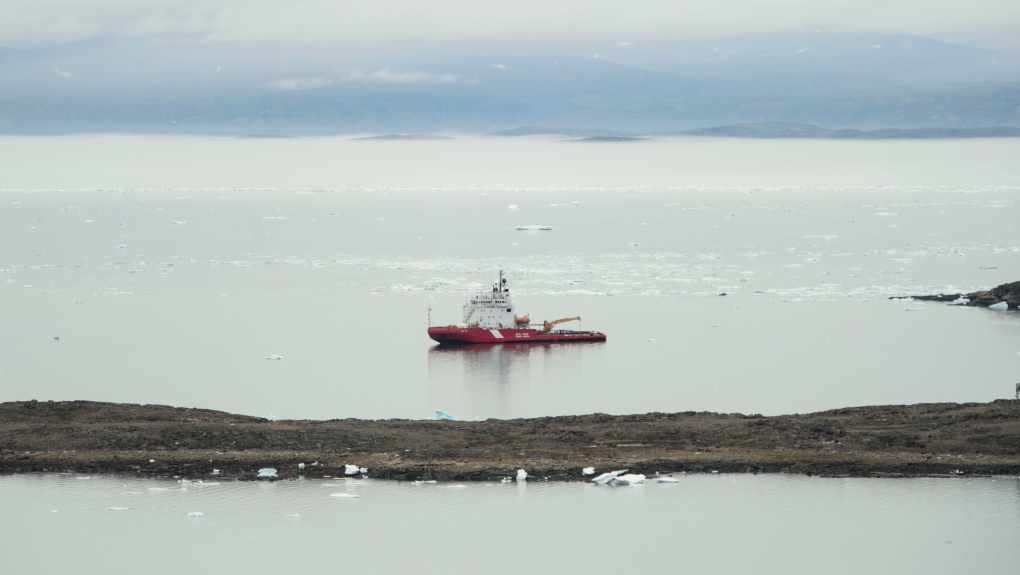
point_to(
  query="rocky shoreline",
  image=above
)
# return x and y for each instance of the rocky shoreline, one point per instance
(945, 439)
(1005, 293)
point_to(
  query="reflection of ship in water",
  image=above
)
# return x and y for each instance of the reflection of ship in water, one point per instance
(498, 380)
(489, 318)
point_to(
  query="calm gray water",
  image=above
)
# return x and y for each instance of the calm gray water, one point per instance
(704, 524)
(171, 267)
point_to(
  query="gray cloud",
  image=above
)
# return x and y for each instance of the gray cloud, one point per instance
(28, 22)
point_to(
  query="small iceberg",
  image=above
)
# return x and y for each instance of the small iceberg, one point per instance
(989, 267)
(271, 418)
(512, 206)
(274, 357)
(667, 480)
(913, 309)
(443, 415)
(588, 471)
(630, 479)
(522, 475)
(345, 495)
(117, 508)
(999, 306)
(634, 244)
(354, 469)
(534, 228)
(300, 465)
(607, 477)
(267, 473)
(196, 514)
(293, 515)
(959, 301)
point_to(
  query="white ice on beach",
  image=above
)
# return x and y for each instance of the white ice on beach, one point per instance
(300, 465)
(959, 301)
(443, 415)
(267, 472)
(354, 469)
(522, 475)
(608, 476)
(588, 471)
(630, 479)
(999, 306)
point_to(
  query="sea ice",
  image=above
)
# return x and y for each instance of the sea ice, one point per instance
(345, 495)
(196, 514)
(959, 301)
(444, 415)
(274, 356)
(588, 471)
(667, 480)
(522, 475)
(267, 472)
(999, 306)
(913, 309)
(512, 206)
(630, 479)
(354, 469)
(300, 465)
(534, 228)
(633, 244)
(608, 476)
(117, 508)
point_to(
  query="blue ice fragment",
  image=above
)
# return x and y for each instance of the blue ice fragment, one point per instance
(444, 415)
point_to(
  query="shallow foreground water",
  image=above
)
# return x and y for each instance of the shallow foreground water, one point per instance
(704, 523)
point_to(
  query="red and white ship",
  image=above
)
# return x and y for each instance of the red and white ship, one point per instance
(489, 318)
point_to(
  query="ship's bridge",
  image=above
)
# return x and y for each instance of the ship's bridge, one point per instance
(491, 310)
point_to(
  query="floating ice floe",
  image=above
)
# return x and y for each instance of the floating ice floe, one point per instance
(158, 489)
(512, 206)
(274, 356)
(122, 247)
(345, 495)
(588, 471)
(267, 472)
(630, 479)
(293, 516)
(633, 244)
(608, 476)
(443, 415)
(913, 309)
(117, 508)
(999, 306)
(534, 228)
(522, 475)
(667, 480)
(271, 418)
(196, 514)
(989, 267)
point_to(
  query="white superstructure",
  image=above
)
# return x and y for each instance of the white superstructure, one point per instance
(491, 310)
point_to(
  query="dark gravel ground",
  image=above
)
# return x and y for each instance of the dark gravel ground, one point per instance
(155, 440)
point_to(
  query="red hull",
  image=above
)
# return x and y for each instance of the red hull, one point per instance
(460, 335)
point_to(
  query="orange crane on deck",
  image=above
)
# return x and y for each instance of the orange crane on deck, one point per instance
(548, 325)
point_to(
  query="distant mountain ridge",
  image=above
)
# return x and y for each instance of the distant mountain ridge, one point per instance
(773, 130)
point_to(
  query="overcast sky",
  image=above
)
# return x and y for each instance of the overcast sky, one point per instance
(41, 22)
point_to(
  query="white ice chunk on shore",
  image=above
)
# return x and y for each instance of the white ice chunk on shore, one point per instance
(959, 301)
(608, 476)
(300, 465)
(630, 479)
(271, 418)
(667, 480)
(267, 472)
(534, 228)
(999, 306)
(354, 469)
(443, 415)
(522, 475)
(588, 471)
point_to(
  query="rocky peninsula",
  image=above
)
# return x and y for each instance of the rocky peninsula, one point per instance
(1005, 293)
(945, 439)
